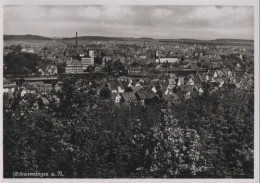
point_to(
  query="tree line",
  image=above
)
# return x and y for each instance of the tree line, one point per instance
(86, 136)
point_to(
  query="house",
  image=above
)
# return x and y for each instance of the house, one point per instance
(161, 88)
(186, 62)
(168, 90)
(199, 53)
(34, 86)
(214, 65)
(171, 81)
(98, 68)
(171, 98)
(51, 70)
(41, 71)
(190, 82)
(154, 89)
(136, 70)
(116, 87)
(23, 50)
(220, 73)
(202, 78)
(166, 60)
(137, 83)
(238, 85)
(227, 72)
(30, 50)
(24, 91)
(128, 97)
(8, 86)
(181, 81)
(116, 97)
(141, 96)
(213, 80)
(56, 99)
(215, 74)
(187, 95)
(142, 55)
(193, 66)
(173, 76)
(220, 81)
(47, 87)
(136, 88)
(57, 88)
(122, 79)
(44, 100)
(201, 91)
(7, 51)
(238, 65)
(9, 94)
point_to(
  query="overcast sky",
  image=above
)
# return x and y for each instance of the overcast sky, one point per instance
(198, 22)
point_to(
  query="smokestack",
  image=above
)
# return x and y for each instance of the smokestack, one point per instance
(76, 39)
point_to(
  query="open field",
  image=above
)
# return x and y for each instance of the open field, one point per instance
(34, 43)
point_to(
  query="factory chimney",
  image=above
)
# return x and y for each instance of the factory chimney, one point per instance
(76, 39)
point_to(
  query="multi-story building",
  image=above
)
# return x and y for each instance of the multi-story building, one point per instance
(91, 53)
(73, 66)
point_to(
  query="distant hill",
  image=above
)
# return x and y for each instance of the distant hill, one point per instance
(103, 38)
(234, 40)
(226, 42)
(145, 38)
(231, 42)
(93, 38)
(25, 37)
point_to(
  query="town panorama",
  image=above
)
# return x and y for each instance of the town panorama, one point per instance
(121, 107)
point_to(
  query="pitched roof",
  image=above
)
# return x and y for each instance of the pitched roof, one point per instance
(181, 79)
(73, 62)
(149, 95)
(136, 88)
(171, 81)
(113, 85)
(202, 78)
(44, 100)
(170, 97)
(140, 95)
(219, 80)
(220, 73)
(128, 96)
(6, 81)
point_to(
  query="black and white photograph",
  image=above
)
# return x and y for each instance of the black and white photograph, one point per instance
(112, 91)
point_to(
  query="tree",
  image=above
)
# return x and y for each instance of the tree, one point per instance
(118, 66)
(105, 93)
(176, 64)
(23, 63)
(176, 151)
(88, 136)
(18, 48)
(61, 68)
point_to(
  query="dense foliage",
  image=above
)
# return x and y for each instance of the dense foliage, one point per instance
(22, 63)
(88, 136)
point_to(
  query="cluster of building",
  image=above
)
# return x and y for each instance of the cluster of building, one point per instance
(42, 88)
(155, 72)
(172, 88)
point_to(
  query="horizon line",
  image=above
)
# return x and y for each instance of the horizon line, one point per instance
(66, 37)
